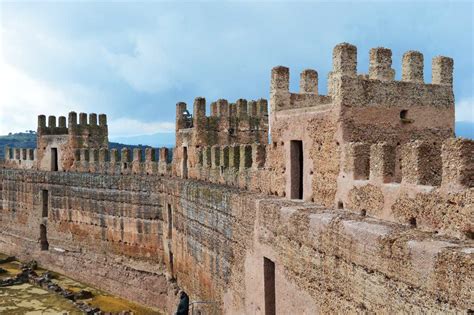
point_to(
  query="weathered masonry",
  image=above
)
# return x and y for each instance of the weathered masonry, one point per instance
(363, 200)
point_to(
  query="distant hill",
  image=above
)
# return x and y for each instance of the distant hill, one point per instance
(28, 140)
(19, 140)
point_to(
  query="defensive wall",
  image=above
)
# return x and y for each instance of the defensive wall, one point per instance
(362, 200)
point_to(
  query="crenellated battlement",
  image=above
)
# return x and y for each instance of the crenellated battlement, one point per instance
(380, 88)
(88, 128)
(235, 157)
(424, 184)
(51, 128)
(123, 162)
(380, 66)
(58, 126)
(281, 97)
(414, 163)
(220, 109)
(240, 122)
(244, 166)
(377, 88)
(23, 158)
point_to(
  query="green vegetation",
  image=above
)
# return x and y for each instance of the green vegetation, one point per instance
(19, 140)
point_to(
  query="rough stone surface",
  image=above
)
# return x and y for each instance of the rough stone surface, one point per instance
(382, 222)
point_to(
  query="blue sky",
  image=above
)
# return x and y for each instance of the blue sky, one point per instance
(135, 61)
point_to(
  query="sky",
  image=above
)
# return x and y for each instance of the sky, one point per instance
(135, 61)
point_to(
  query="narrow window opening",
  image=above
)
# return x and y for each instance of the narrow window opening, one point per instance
(43, 238)
(404, 117)
(340, 205)
(45, 202)
(398, 165)
(469, 235)
(403, 114)
(185, 162)
(170, 235)
(296, 162)
(54, 159)
(170, 221)
(412, 222)
(171, 264)
(363, 212)
(269, 286)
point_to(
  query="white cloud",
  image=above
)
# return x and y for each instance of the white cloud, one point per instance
(131, 127)
(135, 60)
(148, 68)
(23, 98)
(465, 110)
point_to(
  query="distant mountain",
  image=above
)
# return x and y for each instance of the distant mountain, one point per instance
(28, 140)
(465, 129)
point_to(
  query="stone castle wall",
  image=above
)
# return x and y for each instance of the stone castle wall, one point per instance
(362, 200)
(113, 231)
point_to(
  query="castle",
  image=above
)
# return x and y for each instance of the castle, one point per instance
(362, 201)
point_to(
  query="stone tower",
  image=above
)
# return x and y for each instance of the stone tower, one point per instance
(57, 143)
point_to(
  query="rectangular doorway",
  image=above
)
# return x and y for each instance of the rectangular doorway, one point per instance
(45, 203)
(269, 286)
(185, 162)
(296, 169)
(54, 159)
(43, 238)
